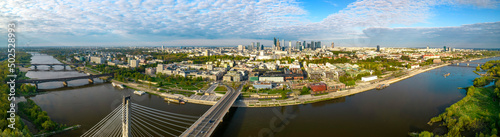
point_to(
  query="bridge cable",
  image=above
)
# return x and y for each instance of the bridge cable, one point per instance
(157, 127)
(103, 121)
(140, 129)
(182, 115)
(158, 115)
(115, 117)
(180, 118)
(165, 123)
(133, 119)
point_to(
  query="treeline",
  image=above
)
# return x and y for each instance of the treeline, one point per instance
(492, 73)
(478, 111)
(20, 129)
(351, 80)
(34, 113)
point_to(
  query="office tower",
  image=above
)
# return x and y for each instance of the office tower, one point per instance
(207, 52)
(240, 47)
(258, 46)
(444, 48)
(275, 44)
(427, 47)
(318, 44)
(313, 47)
(253, 45)
(378, 48)
(333, 45)
(261, 47)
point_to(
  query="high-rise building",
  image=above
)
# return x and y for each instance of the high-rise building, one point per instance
(261, 47)
(253, 45)
(241, 47)
(313, 47)
(278, 45)
(378, 48)
(444, 48)
(318, 44)
(275, 44)
(207, 52)
(333, 45)
(258, 46)
(305, 44)
(427, 47)
(133, 63)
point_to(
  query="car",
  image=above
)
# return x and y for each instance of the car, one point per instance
(211, 121)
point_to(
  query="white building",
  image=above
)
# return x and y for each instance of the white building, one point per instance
(97, 60)
(368, 78)
(133, 63)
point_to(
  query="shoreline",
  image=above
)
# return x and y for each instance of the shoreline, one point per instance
(291, 101)
(338, 94)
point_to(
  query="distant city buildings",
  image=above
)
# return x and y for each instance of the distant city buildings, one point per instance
(97, 60)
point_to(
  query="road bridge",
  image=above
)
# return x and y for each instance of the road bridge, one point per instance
(64, 80)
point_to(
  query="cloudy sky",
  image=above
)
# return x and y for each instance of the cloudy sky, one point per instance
(389, 23)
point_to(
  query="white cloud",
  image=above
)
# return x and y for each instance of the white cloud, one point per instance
(480, 34)
(214, 19)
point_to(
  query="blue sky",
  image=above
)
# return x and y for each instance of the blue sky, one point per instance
(361, 23)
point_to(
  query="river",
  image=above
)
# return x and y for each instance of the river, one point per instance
(404, 107)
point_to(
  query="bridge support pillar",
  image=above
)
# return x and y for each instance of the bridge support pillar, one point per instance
(125, 117)
(64, 65)
(458, 64)
(467, 64)
(51, 66)
(36, 85)
(91, 80)
(36, 67)
(65, 83)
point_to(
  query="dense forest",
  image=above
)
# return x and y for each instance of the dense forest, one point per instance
(20, 128)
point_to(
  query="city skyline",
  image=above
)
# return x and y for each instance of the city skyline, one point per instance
(362, 23)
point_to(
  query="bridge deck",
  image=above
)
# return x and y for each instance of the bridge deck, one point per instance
(62, 79)
(207, 123)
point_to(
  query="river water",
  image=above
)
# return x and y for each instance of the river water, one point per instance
(404, 107)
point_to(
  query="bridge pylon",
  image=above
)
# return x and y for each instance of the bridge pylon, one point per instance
(126, 117)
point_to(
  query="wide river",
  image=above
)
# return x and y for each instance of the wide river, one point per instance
(404, 107)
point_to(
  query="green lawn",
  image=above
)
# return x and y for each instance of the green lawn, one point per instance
(478, 110)
(221, 88)
(220, 92)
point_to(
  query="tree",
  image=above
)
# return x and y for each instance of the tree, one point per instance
(478, 68)
(48, 125)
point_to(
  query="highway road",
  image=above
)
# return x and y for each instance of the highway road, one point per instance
(211, 119)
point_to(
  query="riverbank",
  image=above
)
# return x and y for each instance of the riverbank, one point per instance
(163, 94)
(305, 99)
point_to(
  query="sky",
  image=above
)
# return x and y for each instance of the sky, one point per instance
(361, 23)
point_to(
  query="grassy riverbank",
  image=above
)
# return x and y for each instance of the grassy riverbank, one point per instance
(478, 113)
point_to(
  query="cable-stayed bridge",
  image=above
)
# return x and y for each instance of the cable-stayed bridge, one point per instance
(131, 119)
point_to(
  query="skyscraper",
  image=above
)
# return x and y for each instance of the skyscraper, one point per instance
(378, 48)
(258, 46)
(333, 45)
(444, 48)
(275, 44)
(304, 44)
(253, 45)
(313, 47)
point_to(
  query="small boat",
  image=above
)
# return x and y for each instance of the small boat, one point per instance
(139, 92)
(180, 101)
(113, 83)
(120, 86)
(446, 75)
(382, 86)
